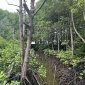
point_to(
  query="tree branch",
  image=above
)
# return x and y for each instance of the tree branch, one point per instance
(36, 78)
(11, 4)
(18, 10)
(27, 25)
(26, 8)
(40, 7)
(28, 81)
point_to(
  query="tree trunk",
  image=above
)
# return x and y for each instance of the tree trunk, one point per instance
(21, 31)
(26, 51)
(24, 68)
(71, 33)
(58, 42)
(84, 10)
(76, 29)
(28, 46)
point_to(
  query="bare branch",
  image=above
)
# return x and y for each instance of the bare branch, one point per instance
(11, 4)
(26, 8)
(18, 10)
(36, 78)
(40, 7)
(28, 81)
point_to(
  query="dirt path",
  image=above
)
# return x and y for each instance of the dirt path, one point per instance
(57, 73)
(50, 76)
(63, 75)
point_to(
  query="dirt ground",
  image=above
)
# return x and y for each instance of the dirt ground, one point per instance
(63, 74)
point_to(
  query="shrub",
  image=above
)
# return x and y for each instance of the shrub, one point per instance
(67, 58)
(42, 71)
(50, 52)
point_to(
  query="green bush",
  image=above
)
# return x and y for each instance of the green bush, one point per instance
(64, 56)
(2, 76)
(81, 75)
(3, 80)
(3, 43)
(42, 71)
(67, 58)
(10, 54)
(13, 83)
(36, 65)
(79, 47)
(33, 61)
(50, 52)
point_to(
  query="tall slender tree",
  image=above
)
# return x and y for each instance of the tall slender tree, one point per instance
(21, 30)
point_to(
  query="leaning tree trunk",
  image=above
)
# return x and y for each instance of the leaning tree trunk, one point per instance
(76, 29)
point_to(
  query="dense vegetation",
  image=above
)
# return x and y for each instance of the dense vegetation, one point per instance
(53, 26)
(53, 23)
(57, 27)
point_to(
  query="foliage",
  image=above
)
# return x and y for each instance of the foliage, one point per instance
(68, 59)
(3, 43)
(64, 56)
(81, 75)
(42, 29)
(54, 16)
(8, 24)
(79, 48)
(50, 52)
(2, 76)
(9, 54)
(13, 83)
(57, 12)
(42, 71)
(49, 18)
(33, 62)
(36, 65)
(3, 80)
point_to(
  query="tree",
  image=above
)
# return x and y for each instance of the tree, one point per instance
(25, 50)
(8, 24)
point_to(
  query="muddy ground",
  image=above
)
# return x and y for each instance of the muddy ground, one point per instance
(65, 75)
